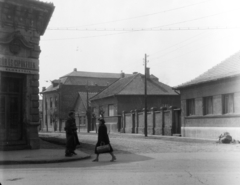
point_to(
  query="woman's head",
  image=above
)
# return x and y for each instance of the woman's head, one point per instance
(71, 113)
(101, 120)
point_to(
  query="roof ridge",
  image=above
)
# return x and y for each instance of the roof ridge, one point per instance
(226, 68)
(153, 82)
(128, 82)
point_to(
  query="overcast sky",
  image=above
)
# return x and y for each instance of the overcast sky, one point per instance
(114, 35)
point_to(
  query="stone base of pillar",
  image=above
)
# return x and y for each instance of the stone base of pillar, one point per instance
(34, 143)
(33, 138)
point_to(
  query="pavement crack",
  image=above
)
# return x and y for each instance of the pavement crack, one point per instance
(188, 173)
(14, 179)
(191, 176)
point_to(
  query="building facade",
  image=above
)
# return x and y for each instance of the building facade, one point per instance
(127, 94)
(84, 114)
(211, 102)
(60, 97)
(22, 22)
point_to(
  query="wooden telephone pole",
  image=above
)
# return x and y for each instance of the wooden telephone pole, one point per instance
(145, 97)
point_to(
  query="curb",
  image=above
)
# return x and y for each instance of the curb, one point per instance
(169, 138)
(44, 161)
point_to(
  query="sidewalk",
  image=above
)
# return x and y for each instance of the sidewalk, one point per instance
(58, 138)
(48, 153)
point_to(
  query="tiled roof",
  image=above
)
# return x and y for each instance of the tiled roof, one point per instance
(95, 74)
(83, 96)
(51, 88)
(228, 68)
(81, 78)
(134, 85)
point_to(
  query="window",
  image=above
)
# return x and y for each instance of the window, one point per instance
(56, 102)
(110, 110)
(46, 105)
(46, 121)
(227, 101)
(101, 111)
(190, 107)
(51, 101)
(208, 105)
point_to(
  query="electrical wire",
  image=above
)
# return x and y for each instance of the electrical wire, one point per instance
(195, 19)
(197, 35)
(148, 29)
(130, 18)
(188, 51)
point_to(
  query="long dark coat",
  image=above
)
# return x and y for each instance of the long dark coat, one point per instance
(71, 135)
(103, 137)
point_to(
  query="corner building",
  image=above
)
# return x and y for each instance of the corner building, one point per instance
(22, 22)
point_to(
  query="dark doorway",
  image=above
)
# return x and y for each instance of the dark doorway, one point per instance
(176, 122)
(11, 109)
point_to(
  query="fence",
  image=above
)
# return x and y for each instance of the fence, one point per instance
(159, 122)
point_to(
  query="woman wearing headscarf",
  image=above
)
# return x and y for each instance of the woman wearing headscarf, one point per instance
(103, 138)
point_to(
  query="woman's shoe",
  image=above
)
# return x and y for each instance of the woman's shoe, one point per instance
(68, 155)
(113, 159)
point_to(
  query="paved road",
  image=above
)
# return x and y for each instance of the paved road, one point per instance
(140, 161)
(126, 143)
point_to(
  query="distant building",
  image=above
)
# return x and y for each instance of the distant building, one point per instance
(84, 112)
(60, 97)
(211, 102)
(40, 108)
(22, 22)
(127, 94)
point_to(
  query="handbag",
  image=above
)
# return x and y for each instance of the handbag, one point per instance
(103, 148)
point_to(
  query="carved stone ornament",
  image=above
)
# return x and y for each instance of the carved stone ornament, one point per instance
(16, 42)
(15, 46)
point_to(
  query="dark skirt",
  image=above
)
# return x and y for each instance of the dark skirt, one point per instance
(72, 142)
(98, 144)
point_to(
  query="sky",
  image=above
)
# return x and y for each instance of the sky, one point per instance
(181, 38)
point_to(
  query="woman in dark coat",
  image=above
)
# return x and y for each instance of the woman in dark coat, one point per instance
(103, 138)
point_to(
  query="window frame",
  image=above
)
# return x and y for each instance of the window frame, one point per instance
(190, 106)
(110, 109)
(56, 102)
(208, 105)
(230, 99)
(51, 102)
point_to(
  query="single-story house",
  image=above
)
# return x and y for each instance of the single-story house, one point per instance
(127, 94)
(210, 103)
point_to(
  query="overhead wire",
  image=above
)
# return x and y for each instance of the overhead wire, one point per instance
(150, 29)
(124, 32)
(136, 17)
(197, 35)
(188, 51)
(195, 19)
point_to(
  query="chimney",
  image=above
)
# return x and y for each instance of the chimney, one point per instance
(75, 69)
(148, 72)
(122, 74)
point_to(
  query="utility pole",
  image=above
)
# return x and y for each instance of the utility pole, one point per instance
(88, 112)
(145, 97)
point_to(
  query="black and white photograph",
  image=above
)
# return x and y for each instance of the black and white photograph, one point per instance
(120, 92)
